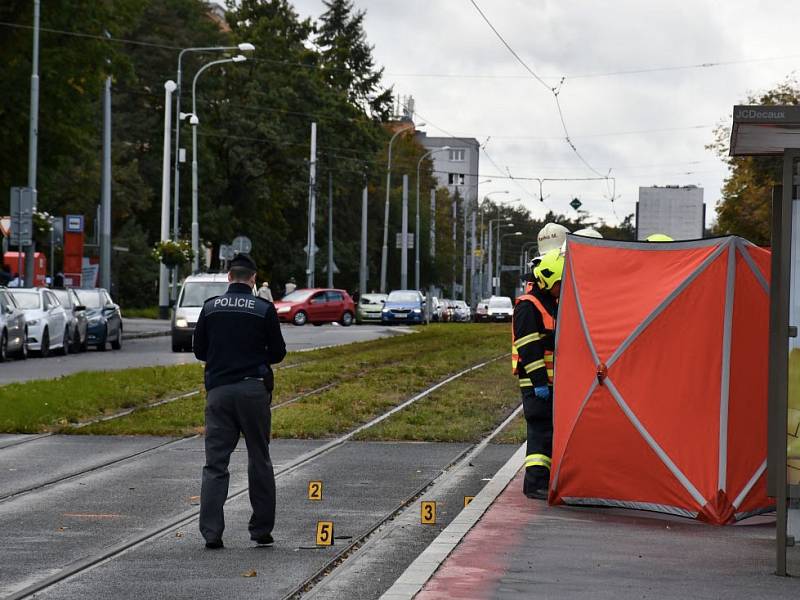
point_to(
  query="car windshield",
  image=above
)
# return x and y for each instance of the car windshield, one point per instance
(297, 296)
(461, 304)
(63, 297)
(27, 300)
(372, 300)
(195, 293)
(501, 302)
(89, 298)
(403, 297)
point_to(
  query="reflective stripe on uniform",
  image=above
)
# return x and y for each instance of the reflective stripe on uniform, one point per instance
(532, 366)
(527, 339)
(538, 460)
(525, 382)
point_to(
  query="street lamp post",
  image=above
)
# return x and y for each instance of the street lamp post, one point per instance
(464, 244)
(485, 197)
(500, 255)
(490, 266)
(163, 289)
(385, 248)
(195, 122)
(416, 231)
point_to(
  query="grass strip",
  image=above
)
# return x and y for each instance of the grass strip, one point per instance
(37, 406)
(462, 411)
(373, 376)
(515, 432)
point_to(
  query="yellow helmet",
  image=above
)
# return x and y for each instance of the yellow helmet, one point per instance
(659, 237)
(549, 270)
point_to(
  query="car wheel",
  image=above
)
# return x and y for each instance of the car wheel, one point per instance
(76, 342)
(177, 346)
(45, 347)
(4, 347)
(347, 318)
(117, 343)
(65, 343)
(300, 318)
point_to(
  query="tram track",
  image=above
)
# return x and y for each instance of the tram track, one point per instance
(83, 564)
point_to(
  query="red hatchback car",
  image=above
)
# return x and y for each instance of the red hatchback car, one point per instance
(316, 306)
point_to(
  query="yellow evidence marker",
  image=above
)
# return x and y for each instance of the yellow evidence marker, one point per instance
(467, 500)
(315, 490)
(428, 512)
(324, 533)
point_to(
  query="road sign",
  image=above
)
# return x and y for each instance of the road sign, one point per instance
(23, 202)
(398, 241)
(226, 252)
(242, 245)
(74, 223)
(576, 204)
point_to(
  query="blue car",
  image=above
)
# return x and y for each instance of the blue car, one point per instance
(105, 319)
(404, 306)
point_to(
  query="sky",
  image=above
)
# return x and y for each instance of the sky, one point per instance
(647, 128)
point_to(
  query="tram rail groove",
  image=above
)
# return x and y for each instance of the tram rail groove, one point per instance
(109, 553)
(328, 571)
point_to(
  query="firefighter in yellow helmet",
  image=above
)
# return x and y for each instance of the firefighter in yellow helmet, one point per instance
(533, 336)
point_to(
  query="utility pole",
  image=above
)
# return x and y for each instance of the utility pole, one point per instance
(312, 206)
(163, 284)
(455, 225)
(105, 230)
(472, 263)
(489, 265)
(330, 229)
(433, 224)
(33, 140)
(404, 240)
(465, 206)
(362, 279)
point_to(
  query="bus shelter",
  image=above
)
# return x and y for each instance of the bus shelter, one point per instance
(775, 131)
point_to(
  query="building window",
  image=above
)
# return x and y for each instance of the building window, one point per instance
(455, 178)
(457, 155)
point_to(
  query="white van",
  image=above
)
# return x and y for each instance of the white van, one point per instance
(196, 289)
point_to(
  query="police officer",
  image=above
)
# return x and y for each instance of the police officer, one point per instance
(238, 336)
(532, 352)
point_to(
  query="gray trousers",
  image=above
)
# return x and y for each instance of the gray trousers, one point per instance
(231, 410)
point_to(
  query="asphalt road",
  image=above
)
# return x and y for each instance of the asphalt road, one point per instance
(158, 351)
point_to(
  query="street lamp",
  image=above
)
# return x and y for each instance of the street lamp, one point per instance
(481, 276)
(194, 121)
(500, 252)
(385, 249)
(163, 283)
(505, 220)
(243, 47)
(464, 250)
(416, 233)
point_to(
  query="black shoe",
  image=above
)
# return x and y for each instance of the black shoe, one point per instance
(215, 545)
(538, 494)
(264, 540)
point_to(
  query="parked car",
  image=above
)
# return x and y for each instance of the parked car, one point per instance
(78, 321)
(12, 324)
(105, 318)
(370, 307)
(316, 306)
(482, 311)
(500, 308)
(461, 312)
(45, 319)
(404, 306)
(196, 289)
(437, 307)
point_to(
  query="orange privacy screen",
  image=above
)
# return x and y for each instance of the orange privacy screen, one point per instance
(676, 421)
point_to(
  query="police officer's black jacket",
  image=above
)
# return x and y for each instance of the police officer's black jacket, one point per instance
(238, 335)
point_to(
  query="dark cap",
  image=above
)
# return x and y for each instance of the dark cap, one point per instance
(243, 261)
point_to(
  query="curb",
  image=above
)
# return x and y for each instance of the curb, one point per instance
(144, 334)
(410, 583)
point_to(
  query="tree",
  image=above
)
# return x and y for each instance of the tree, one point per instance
(346, 58)
(745, 206)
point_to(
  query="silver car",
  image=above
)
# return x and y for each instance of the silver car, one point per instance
(12, 325)
(196, 289)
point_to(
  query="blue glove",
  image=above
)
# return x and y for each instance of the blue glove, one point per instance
(542, 392)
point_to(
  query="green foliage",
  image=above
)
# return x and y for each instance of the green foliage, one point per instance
(745, 206)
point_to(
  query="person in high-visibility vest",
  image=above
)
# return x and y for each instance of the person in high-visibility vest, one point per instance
(533, 336)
